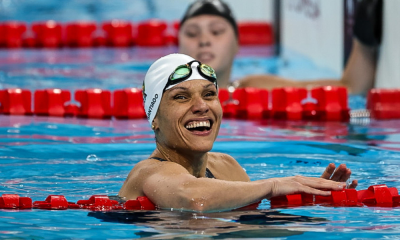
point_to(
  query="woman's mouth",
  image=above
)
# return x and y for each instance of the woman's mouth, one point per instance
(199, 127)
(205, 57)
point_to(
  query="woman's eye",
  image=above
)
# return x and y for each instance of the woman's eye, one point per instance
(179, 97)
(211, 94)
(218, 32)
(191, 34)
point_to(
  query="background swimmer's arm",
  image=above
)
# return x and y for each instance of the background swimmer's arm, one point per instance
(358, 76)
(271, 81)
(169, 185)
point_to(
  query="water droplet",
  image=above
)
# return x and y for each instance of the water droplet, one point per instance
(13, 131)
(92, 158)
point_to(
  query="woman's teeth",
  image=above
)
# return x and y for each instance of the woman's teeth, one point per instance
(198, 124)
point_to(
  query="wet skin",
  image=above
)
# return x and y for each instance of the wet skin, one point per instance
(189, 102)
(180, 181)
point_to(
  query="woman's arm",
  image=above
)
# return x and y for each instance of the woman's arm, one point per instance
(169, 185)
(358, 76)
(271, 82)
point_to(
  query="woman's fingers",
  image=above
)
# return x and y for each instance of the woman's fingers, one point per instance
(314, 191)
(353, 184)
(340, 173)
(346, 175)
(300, 184)
(328, 171)
(319, 183)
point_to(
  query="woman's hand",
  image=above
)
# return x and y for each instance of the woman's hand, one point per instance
(340, 174)
(300, 184)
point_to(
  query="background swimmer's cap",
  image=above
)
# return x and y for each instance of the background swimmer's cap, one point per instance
(157, 78)
(212, 7)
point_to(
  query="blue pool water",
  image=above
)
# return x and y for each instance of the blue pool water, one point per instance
(40, 156)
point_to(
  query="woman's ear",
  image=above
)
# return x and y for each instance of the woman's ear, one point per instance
(154, 124)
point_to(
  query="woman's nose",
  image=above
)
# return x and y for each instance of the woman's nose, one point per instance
(204, 40)
(200, 106)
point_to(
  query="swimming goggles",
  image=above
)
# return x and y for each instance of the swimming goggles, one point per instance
(183, 72)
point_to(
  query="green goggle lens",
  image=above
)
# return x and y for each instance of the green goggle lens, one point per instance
(180, 72)
(207, 70)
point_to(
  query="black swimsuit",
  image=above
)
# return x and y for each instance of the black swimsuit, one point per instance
(208, 172)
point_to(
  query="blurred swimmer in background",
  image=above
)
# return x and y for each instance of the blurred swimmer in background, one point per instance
(209, 33)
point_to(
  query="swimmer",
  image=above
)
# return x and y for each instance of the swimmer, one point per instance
(209, 33)
(182, 106)
(364, 69)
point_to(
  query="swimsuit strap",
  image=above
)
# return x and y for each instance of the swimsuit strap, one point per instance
(159, 159)
(208, 172)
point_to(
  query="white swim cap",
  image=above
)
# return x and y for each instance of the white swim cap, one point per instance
(157, 78)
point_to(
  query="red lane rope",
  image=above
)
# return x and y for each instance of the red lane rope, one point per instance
(114, 33)
(327, 103)
(323, 103)
(376, 195)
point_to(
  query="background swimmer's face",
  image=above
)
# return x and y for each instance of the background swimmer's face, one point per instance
(211, 40)
(189, 117)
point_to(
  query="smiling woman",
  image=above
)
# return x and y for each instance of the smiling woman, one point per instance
(185, 114)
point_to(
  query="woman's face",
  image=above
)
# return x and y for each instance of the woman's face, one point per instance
(189, 117)
(209, 39)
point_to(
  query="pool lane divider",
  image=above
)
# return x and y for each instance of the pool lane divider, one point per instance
(113, 33)
(384, 103)
(324, 103)
(374, 196)
(59, 202)
(328, 103)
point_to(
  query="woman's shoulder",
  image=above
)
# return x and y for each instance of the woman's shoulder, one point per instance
(133, 185)
(225, 167)
(221, 156)
(145, 168)
(153, 164)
